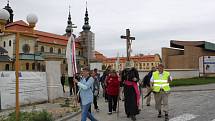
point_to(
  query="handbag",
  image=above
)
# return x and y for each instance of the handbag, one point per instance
(96, 92)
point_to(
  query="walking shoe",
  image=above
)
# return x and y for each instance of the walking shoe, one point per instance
(109, 113)
(133, 118)
(114, 111)
(97, 110)
(148, 105)
(166, 117)
(159, 114)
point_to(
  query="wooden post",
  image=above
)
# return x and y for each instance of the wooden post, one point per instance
(17, 76)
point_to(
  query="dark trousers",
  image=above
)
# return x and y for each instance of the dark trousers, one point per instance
(71, 85)
(95, 102)
(62, 83)
(106, 96)
(112, 102)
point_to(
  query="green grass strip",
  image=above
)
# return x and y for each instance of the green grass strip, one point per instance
(192, 81)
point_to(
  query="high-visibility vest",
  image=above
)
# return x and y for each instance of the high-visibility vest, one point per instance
(161, 82)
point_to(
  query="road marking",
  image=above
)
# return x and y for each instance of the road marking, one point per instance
(184, 117)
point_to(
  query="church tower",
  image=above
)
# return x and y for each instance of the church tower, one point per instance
(9, 9)
(88, 40)
(70, 26)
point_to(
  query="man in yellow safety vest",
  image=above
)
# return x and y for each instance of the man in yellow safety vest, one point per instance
(160, 86)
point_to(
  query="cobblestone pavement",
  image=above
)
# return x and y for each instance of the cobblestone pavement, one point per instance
(183, 106)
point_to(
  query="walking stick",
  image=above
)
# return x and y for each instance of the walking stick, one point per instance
(142, 96)
(118, 103)
(76, 98)
(148, 94)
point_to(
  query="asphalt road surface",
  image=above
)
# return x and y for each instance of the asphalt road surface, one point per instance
(183, 106)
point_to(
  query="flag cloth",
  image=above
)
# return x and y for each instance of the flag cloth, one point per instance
(117, 62)
(71, 56)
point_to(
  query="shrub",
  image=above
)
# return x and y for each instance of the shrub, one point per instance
(30, 116)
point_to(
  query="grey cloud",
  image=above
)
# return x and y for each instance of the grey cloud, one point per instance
(152, 22)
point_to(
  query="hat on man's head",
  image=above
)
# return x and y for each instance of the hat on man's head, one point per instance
(129, 64)
(86, 68)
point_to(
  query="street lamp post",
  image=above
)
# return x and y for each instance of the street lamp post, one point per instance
(32, 20)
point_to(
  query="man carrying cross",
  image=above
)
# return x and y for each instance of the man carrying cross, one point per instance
(129, 79)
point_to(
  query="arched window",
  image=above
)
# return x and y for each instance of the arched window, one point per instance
(33, 66)
(51, 49)
(42, 49)
(9, 42)
(59, 51)
(27, 66)
(7, 67)
(4, 44)
(43, 68)
(64, 61)
(79, 52)
(38, 66)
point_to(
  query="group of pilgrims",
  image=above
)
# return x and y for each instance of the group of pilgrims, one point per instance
(124, 85)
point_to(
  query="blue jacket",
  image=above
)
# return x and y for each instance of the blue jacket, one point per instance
(86, 88)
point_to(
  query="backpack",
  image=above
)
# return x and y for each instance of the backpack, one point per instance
(96, 87)
(146, 79)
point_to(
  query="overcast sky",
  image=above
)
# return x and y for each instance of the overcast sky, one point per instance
(153, 22)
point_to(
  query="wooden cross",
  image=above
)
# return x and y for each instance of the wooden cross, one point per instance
(128, 43)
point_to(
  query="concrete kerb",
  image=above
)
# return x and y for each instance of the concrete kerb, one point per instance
(69, 116)
(191, 90)
(206, 87)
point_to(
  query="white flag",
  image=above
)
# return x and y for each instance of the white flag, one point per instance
(71, 56)
(117, 62)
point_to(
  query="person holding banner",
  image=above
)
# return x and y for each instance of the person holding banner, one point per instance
(86, 95)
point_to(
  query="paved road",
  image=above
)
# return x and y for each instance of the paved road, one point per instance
(184, 106)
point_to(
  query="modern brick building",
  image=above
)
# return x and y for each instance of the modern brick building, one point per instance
(185, 54)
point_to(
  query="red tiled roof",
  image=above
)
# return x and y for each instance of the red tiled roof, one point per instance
(44, 37)
(145, 58)
(100, 56)
(51, 38)
(20, 22)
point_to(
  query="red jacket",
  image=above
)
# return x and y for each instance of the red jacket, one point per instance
(112, 85)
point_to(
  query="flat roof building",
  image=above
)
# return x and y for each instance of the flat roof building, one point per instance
(185, 54)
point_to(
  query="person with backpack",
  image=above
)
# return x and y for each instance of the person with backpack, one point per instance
(96, 88)
(102, 80)
(112, 84)
(146, 84)
(86, 94)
